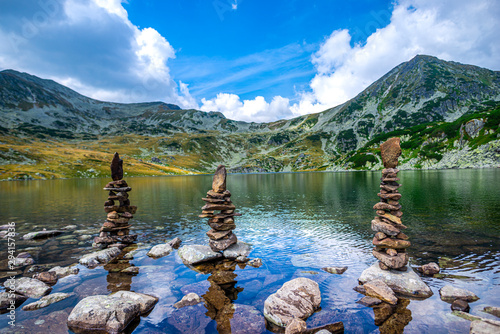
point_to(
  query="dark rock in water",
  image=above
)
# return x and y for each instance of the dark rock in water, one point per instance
(219, 182)
(450, 294)
(48, 277)
(29, 287)
(47, 300)
(188, 300)
(298, 298)
(390, 152)
(6, 298)
(116, 167)
(460, 305)
(41, 234)
(369, 301)
(429, 269)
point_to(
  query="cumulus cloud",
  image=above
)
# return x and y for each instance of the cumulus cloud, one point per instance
(92, 47)
(457, 30)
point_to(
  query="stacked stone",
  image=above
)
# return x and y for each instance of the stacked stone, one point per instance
(116, 229)
(222, 224)
(390, 243)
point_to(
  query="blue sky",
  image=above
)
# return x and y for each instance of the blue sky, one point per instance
(252, 60)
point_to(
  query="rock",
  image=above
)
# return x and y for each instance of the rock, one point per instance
(116, 167)
(406, 283)
(483, 327)
(255, 263)
(242, 259)
(380, 226)
(369, 301)
(100, 257)
(175, 243)
(222, 244)
(47, 300)
(64, 271)
(398, 261)
(219, 182)
(390, 152)
(23, 259)
(492, 310)
(146, 302)
(298, 298)
(335, 328)
(6, 299)
(28, 287)
(360, 289)
(429, 269)
(41, 234)
(216, 235)
(48, 277)
(236, 250)
(335, 270)
(160, 250)
(188, 300)
(296, 326)
(449, 294)
(460, 305)
(241, 319)
(391, 243)
(102, 313)
(193, 254)
(378, 289)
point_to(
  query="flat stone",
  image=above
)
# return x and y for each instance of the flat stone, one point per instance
(42, 234)
(160, 250)
(64, 271)
(222, 226)
(214, 194)
(193, 254)
(6, 298)
(394, 262)
(217, 206)
(298, 298)
(335, 270)
(219, 181)
(216, 235)
(378, 289)
(449, 294)
(102, 313)
(380, 226)
(47, 300)
(188, 300)
(236, 250)
(146, 302)
(100, 257)
(385, 206)
(28, 287)
(391, 243)
(406, 283)
(392, 218)
(223, 244)
(369, 301)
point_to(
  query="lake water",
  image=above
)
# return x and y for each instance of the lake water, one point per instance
(296, 223)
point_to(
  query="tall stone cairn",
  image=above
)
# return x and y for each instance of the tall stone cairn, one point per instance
(390, 243)
(222, 224)
(115, 230)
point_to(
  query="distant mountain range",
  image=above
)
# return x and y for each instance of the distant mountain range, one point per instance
(446, 113)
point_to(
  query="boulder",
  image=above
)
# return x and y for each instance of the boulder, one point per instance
(335, 270)
(28, 287)
(298, 298)
(146, 302)
(406, 283)
(160, 250)
(188, 300)
(42, 234)
(100, 257)
(449, 294)
(47, 300)
(378, 289)
(193, 254)
(236, 250)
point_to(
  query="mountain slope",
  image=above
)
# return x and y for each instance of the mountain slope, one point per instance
(420, 97)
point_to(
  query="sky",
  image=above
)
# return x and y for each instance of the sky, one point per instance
(252, 60)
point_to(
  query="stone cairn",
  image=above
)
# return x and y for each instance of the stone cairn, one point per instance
(390, 243)
(222, 224)
(116, 228)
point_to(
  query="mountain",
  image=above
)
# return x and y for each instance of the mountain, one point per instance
(445, 112)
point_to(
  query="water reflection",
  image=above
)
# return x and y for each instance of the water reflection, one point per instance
(392, 319)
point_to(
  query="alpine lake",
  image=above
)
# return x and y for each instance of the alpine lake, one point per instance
(297, 223)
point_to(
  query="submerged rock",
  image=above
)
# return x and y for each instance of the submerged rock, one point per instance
(335, 270)
(100, 257)
(449, 294)
(406, 283)
(193, 254)
(160, 250)
(241, 319)
(188, 300)
(47, 300)
(28, 287)
(298, 298)
(42, 234)
(255, 263)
